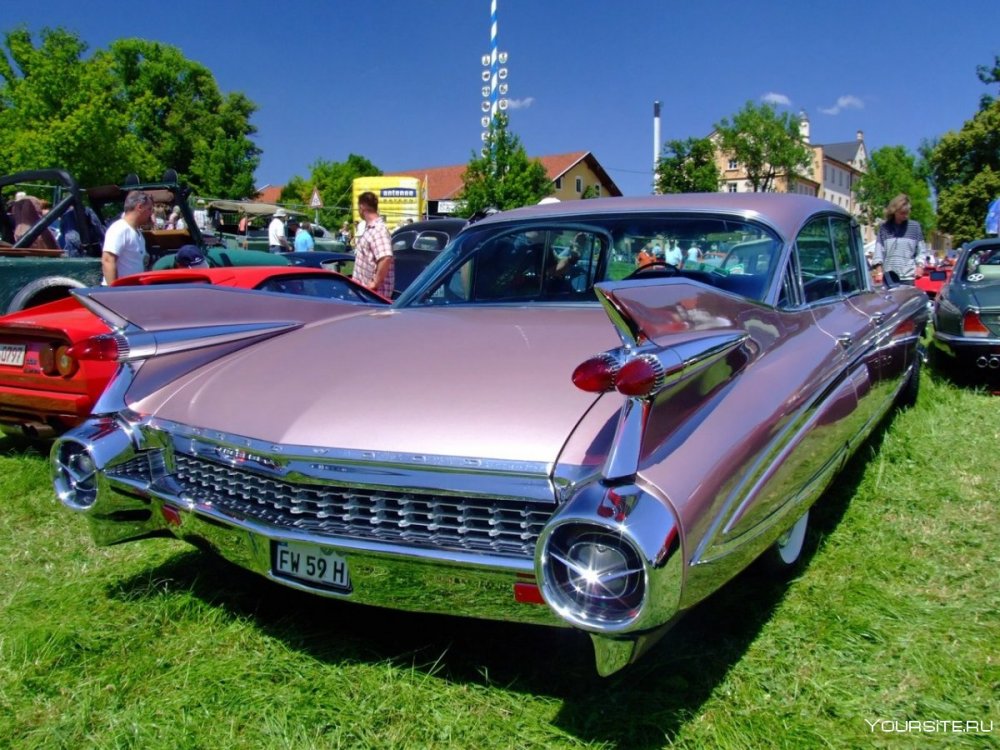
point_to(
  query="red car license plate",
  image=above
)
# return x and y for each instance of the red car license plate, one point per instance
(311, 564)
(12, 354)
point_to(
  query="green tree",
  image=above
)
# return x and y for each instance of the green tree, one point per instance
(766, 143)
(687, 167)
(334, 181)
(962, 209)
(964, 166)
(988, 75)
(503, 177)
(57, 110)
(138, 106)
(893, 170)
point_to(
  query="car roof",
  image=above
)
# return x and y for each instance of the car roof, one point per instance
(785, 212)
(444, 225)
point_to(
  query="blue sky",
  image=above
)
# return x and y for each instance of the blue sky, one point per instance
(399, 83)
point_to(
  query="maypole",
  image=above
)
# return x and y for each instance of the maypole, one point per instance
(494, 77)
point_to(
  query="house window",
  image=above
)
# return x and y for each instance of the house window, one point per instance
(558, 183)
(579, 184)
(732, 187)
(733, 164)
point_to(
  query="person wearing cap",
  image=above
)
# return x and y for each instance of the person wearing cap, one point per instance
(190, 256)
(276, 240)
(201, 215)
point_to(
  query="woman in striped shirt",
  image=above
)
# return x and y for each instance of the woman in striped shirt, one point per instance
(900, 243)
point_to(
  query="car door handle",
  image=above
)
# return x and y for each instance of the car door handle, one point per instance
(878, 317)
(845, 340)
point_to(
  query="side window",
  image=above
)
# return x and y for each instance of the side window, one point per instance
(531, 265)
(848, 268)
(817, 261)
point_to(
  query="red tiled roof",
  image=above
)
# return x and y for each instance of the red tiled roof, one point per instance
(269, 193)
(445, 183)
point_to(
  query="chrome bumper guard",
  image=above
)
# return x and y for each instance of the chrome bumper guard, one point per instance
(607, 561)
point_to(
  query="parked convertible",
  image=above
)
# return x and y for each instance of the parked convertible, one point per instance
(526, 434)
(46, 387)
(967, 312)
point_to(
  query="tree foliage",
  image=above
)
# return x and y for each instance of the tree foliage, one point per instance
(962, 209)
(504, 177)
(766, 143)
(138, 106)
(334, 181)
(964, 166)
(988, 75)
(687, 167)
(893, 170)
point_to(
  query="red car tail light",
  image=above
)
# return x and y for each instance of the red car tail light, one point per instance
(640, 376)
(103, 348)
(47, 359)
(972, 325)
(596, 375)
(66, 364)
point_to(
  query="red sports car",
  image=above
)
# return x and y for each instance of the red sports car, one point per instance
(934, 278)
(45, 389)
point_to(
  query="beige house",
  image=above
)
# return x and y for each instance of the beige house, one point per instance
(573, 175)
(835, 170)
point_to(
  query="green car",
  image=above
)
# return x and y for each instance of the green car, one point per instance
(967, 313)
(46, 253)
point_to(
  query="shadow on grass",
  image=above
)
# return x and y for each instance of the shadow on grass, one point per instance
(639, 707)
(15, 446)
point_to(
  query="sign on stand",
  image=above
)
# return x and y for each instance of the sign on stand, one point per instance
(316, 203)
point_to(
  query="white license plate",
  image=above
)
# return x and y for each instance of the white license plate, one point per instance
(310, 563)
(12, 354)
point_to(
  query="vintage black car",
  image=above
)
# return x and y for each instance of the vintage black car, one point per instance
(415, 245)
(967, 313)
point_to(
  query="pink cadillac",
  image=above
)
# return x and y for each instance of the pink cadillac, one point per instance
(537, 431)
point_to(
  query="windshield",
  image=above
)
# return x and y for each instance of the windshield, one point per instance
(551, 261)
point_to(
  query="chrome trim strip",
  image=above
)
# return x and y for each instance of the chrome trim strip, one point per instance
(144, 345)
(623, 455)
(484, 477)
(112, 398)
(967, 340)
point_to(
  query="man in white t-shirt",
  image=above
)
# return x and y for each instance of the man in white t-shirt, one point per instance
(124, 251)
(276, 240)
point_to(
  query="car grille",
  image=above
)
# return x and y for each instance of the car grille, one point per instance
(494, 526)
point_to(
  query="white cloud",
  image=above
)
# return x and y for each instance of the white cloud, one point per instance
(776, 99)
(847, 101)
(521, 103)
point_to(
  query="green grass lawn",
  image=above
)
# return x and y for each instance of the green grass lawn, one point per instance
(895, 616)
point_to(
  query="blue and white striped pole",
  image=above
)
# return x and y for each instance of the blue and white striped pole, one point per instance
(493, 59)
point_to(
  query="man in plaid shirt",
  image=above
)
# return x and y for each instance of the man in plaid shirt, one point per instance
(373, 266)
